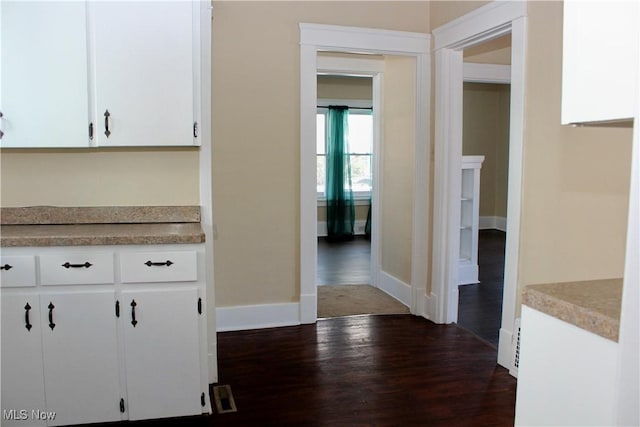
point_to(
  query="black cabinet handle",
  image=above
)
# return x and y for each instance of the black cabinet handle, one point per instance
(6, 267)
(199, 305)
(26, 317)
(69, 265)
(158, 264)
(134, 322)
(51, 307)
(106, 123)
(117, 308)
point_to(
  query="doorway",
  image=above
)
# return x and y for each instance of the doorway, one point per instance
(347, 40)
(486, 23)
(486, 134)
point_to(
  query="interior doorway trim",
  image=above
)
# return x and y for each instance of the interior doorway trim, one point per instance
(313, 39)
(484, 24)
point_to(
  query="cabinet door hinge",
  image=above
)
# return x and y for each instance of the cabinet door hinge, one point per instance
(199, 305)
(195, 129)
(202, 399)
(122, 405)
(91, 131)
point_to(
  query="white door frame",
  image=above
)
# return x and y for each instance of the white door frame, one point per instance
(486, 23)
(315, 38)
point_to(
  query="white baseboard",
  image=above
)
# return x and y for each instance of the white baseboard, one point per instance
(239, 318)
(308, 308)
(505, 351)
(493, 223)
(358, 226)
(395, 288)
(430, 306)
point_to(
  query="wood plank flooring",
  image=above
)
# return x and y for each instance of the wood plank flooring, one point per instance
(344, 263)
(480, 305)
(393, 370)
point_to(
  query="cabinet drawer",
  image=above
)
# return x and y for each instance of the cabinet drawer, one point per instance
(76, 269)
(18, 271)
(140, 267)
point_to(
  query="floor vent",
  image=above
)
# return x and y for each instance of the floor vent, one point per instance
(516, 346)
(223, 399)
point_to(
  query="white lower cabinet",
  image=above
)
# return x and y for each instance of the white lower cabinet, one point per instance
(160, 331)
(105, 350)
(22, 375)
(80, 351)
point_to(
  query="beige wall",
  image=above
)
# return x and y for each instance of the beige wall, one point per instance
(486, 132)
(339, 87)
(256, 131)
(496, 51)
(397, 169)
(576, 180)
(99, 177)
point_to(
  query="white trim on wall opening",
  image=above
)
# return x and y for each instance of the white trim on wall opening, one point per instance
(316, 38)
(486, 23)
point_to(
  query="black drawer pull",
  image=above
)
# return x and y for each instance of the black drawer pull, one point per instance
(51, 307)
(134, 322)
(69, 265)
(6, 267)
(26, 317)
(158, 264)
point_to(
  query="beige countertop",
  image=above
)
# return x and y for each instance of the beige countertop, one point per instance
(591, 305)
(109, 225)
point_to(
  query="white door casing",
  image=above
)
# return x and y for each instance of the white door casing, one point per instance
(484, 24)
(315, 38)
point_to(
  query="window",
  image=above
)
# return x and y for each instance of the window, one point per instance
(360, 146)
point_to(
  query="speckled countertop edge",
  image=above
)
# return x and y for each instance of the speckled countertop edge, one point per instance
(108, 225)
(42, 215)
(591, 305)
(100, 234)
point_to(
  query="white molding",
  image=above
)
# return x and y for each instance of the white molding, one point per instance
(493, 223)
(628, 375)
(396, 288)
(486, 73)
(483, 24)
(315, 38)
(206, 193)
(308, 307)
(243, 317)
(430, 303)
(363, 40)
(488, 22)
(505, 352)
(358, 228)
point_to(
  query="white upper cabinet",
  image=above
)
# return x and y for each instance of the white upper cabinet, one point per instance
(43, 88)
(144, 72)
(600, 48)
(112, 73)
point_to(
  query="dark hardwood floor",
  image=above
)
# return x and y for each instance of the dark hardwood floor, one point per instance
(480, 305)
(344, 263)
(393, 370)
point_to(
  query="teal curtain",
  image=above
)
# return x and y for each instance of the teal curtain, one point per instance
(340, 207)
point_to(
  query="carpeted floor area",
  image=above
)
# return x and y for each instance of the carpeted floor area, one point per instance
(349, 300)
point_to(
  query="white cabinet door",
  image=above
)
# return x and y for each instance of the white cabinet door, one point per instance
(22, 377)
(161, 352)
(144, 72)
(599, 65)
(80, 356)
(43, 88)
